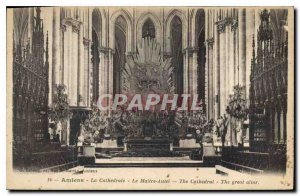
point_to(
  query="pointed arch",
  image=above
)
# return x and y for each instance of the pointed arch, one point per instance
(157, 24)
(148, 29)
(128, 19)
(99, 24)
(168, 21)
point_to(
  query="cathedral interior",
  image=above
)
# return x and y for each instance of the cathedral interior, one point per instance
(234, 59)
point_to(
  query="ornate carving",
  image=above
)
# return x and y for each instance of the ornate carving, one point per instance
(229, 21)
(86, 42)
(74, 23)
(30, 85)
(221, 24)
(105, 50)
(63, 28)
(234, 24)
(210, 42)
(268, 89)
(147, 73)
(75, 28)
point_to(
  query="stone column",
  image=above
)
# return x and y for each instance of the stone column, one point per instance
(216, 70)
(231, 57)
(236, 52)
(74, 65)
(89, 56)
(105, 74)
(210, 74)
(192, 77)
(206, 66)
(185, 72)
(81, 81)
(56, 47)
(194, 72)
(86, 84)
(211, 65)
(222, 64)
(110, 72)
(227, 58)
(250, 31)
(242, 48)
(102, 74)
(69, 60)
(65, 77)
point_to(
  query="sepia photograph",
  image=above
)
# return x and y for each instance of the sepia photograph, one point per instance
(150, 98)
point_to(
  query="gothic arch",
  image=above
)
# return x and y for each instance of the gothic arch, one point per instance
(97, 24)
(195, 27)
(169, 19)
(128, 19)
(101, 14)
(143, 18)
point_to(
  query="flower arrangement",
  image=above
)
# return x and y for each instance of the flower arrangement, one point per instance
(237, 106)
(95, 126)
(59, 110)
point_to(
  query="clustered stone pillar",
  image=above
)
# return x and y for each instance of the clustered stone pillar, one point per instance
(81, 93)
(194, 72)
(242, 47)
(86, 84)
(186, 71)
(110, 72)
(231, 62)
(222, 62)
(56, 47)
(106, 72)
(74, 55)
(227, 66)
(65, 64)
(216, 70)
(74, 65)
(210, 74)
(102, 69)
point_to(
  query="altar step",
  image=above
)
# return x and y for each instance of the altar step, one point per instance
(147, 162)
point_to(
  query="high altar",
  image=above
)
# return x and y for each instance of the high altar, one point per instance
(146, 73)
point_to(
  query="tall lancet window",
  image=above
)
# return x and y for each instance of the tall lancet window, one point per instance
(201, 56)
(148, 29)
(119, 57)
(96, 34)
(176, 49)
